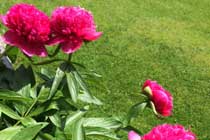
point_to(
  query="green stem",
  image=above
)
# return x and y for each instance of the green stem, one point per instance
(30, 108)
(29, 58)
(48, 62)
(55, 52)
(69, 58)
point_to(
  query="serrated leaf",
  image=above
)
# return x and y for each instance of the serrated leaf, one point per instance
(9, 112)
(72, 86)
(56, 82)
(107, 123)
(101, 132)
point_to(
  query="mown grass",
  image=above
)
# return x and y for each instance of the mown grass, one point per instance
(163, 40)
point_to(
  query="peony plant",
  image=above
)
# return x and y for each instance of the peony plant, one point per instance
(40, 104)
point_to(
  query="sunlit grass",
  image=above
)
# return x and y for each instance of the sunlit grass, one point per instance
(167, 41)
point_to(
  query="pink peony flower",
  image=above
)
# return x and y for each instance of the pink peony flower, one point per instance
(133, 136)
(169, 132)
(160, 97)
(28, 27)
(164, 132)
(71, 26)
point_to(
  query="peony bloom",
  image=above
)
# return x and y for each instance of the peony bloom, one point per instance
(164, 132)
(133, 136)
(160, 97)
(28, 27)
(71, 26)
(169, 132)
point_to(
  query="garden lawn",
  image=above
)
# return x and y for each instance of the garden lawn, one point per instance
(164, 40)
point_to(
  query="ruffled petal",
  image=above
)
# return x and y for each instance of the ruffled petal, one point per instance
(29, 49)
(71, 46)
(37, 49)
(55, 40)
(133, 136)
(3, 19)
(90, 34)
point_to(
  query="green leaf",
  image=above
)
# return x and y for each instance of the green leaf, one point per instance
(29, 132)
(45, 107)
(87, 96)
(8, 133)
(101, 132)
(72, 86)
(78, 130)
(88, 99)
(28, 121)
(45, 136)
(56, 120)
(81, 83)
(11, 95)
(25, 91)
(12, 54)
(59, 134)
(135, 110)
(47, 72)
(9, 112)
(107, 123)
(71, 119)
(21, 133)
(56, 82)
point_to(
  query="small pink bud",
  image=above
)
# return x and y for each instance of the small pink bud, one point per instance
(133, 136)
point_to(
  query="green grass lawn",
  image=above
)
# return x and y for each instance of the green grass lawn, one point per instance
(163, 40)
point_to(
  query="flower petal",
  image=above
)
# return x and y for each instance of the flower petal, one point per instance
(55, 40)
(133, 136)
(3, 19)
(36, 49)
(29, 49)
(90, 34)
(71, 46)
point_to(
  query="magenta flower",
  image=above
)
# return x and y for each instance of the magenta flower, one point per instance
(71, 26)
(160, 97)
(164, 132)
(28, 27)
(169, 132)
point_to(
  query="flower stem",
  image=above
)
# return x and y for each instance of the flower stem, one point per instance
(48, 61)
(69, 58)
(55, 52)
(30, 108)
